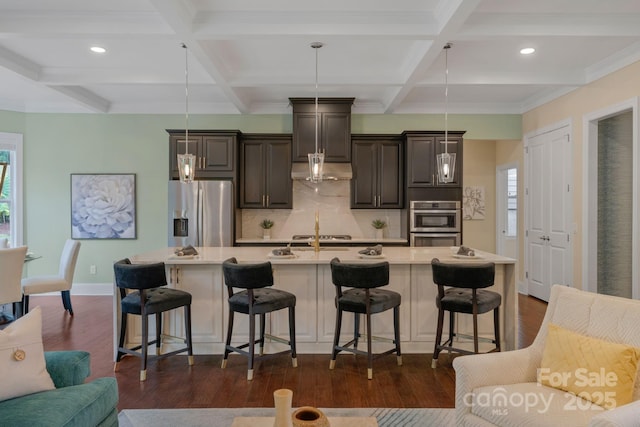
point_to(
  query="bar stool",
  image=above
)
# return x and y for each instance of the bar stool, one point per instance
(256, 300)
(364, 297)
(147, 282)
(464, 295)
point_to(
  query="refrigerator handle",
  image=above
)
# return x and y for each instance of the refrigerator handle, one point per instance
(200, 205)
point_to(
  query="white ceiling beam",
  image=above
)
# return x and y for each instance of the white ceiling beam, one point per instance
(81, 24)
(451, 15)
(19, 65)
(27, 69)
(180, 18)
(85, 97)
(488, 25)
(233, 24)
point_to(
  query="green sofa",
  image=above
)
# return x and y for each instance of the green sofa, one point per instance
(72, 403)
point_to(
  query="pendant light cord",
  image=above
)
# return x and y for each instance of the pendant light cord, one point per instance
(446, 96)
(316, 46)
(186, 97)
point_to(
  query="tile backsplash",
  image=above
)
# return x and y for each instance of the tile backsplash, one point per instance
(331, 200)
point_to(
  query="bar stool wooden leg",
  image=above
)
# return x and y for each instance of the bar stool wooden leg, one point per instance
(252, 343)
(227, 347)
(158, 317)
(436, 349)
(262, 326)
(369, 349)
(496, 326)
(396, 333)
(145, 345)
(336, 339)
(187, 325)
(292, 336)
(123, 331)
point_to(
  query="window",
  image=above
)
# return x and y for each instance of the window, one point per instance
(512, 202)
(11, 191)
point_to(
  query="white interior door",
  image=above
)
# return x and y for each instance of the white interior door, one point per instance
(548, 211)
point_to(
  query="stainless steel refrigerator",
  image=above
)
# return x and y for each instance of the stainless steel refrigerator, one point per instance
(201, 213)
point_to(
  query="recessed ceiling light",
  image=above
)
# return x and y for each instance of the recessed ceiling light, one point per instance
(527, 50)
(98, 49)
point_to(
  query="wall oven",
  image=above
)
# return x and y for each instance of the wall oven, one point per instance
(435, 239)
(435, 223)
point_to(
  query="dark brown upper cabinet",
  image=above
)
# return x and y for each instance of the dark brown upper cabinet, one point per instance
(422, 148)
(215, 152)
(334, 128)
(378, 173)
(265, 171)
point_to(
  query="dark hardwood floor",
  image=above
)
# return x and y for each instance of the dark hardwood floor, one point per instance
(171, 383)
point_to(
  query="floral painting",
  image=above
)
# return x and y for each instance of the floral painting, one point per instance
(473, 203)
(103, 206)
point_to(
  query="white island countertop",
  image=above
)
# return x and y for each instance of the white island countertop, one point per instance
(397, 241)
(306, 255)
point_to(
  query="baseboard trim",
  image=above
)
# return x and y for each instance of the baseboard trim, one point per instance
(90, 289)
(522, 287)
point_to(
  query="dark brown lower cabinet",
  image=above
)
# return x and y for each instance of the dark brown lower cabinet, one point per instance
(378, 172)
(265, 172)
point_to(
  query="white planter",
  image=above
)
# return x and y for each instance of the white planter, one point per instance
(379, 233)
(266, 233)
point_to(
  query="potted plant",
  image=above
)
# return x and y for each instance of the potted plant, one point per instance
(379, 225)
(266, 225)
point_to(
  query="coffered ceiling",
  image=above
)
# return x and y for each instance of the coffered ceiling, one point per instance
(250, 56)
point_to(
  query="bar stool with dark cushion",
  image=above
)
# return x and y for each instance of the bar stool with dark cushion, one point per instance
(464, 294)
(147, 282)
(257, 299)
(366, 298)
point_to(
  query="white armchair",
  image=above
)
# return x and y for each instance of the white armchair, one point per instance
(501, 389)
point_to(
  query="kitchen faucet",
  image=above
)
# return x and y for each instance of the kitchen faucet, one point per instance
(316, 240)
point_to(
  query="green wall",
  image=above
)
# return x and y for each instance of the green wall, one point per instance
(57, 145)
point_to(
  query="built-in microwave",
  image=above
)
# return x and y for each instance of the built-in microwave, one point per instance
(435, 216)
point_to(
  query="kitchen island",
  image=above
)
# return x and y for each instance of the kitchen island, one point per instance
(307, 274)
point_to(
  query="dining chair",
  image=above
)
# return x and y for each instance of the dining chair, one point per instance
(11, 262)
(61, 282)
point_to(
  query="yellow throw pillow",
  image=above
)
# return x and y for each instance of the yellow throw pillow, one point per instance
(593, 369)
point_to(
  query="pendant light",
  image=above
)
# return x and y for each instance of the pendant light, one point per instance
(446, 160)
(316, 159)
(186, 161)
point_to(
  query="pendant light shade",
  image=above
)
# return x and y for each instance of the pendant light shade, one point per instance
(446, 160)
(316, 159)
(186, 161)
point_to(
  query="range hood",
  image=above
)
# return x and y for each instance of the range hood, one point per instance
(332, 171)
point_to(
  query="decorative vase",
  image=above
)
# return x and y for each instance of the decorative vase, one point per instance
(379, 233)
(266, 233)
(282, 399)
(308, 416)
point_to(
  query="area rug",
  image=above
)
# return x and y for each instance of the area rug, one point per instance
(213, 417)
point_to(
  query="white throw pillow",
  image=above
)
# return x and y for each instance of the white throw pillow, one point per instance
(22, 366)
